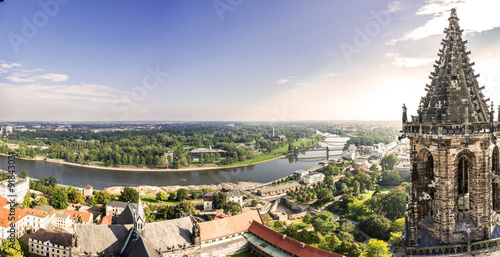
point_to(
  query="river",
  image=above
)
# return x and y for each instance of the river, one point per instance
(101, 178)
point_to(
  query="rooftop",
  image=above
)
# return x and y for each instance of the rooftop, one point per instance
(288, 244)
(86, 216)
(120, 204)
(228, 226)
(58, 238)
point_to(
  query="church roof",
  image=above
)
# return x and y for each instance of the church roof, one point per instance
(454, 90)
(229, 226)
(139, 247)
(170, 233)
(101, 239)
(126, 217)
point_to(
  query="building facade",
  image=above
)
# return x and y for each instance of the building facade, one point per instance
(314, 178)
(455, 171)
(19, 190)
(50, 243)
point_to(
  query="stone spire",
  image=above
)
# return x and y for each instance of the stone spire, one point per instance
(139, 218)
(454, 84)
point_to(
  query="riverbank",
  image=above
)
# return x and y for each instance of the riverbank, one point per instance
(38, 158)
(153, 190)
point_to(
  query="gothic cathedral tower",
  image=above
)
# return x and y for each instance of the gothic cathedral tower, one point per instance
(454, 197)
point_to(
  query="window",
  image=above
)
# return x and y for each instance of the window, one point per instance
(462, 178)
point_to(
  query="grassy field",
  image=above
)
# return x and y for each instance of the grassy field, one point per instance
(152, 199)
(258, 158)
(297, 144)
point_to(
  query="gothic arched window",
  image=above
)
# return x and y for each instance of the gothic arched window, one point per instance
(495, 169)
(462, 178)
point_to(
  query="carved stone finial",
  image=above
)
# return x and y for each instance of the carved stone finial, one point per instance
(405, 116)
(453, 15)
(492, 112)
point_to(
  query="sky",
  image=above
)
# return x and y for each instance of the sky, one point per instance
(231, 60)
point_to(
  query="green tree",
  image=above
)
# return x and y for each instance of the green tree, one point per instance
(161, 196)
(27, 200)
(376, 226)
(59, 199)
(77, 197)
(394, 204)
(52, 181)
(374, 167)
(93, 201)
(24, 174)
(324, 222)
(307, 218)
(396, 237)
(279, 225)
(42, 201)
(398, 224)
(390, 178)
(219, 200)
(103, 197)
(186, 207)
(15, 249)
(129, 195)
(232, 208)
(334, 243)
(254, 202)
(182, 195)
(317, 238)
(376, 248)
(389, 161)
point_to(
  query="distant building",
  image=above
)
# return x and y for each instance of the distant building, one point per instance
(349, 153)
(278, 189)
(277, 138)
(299, 174)
(116, 207)
(13, 146)
(377, 153)
(196, 153)
(235, 196)
(361, 164)
(207, 201)
(62, 220)
(50, 243)
(80, 217)
(314, 178)
(87, 191)
(403, 168)
(19, 190)
(9, 129)
(39, 217)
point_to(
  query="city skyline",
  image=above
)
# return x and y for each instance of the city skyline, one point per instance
(230, 60)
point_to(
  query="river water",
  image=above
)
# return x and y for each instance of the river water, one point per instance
(100, 178)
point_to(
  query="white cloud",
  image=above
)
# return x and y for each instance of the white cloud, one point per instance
(53, 77)
(331, 75)
(467, 10)
(286, 80)
(394, 6)
(406, 62)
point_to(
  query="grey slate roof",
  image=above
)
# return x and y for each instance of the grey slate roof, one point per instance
(140, 247)
(120, 204)
(58, 238)
(126, 217)
(170, 233)
(99, 238)
(111, 239)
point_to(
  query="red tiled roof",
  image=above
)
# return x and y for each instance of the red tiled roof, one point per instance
(88, 187)
(84, 214)
(107, 220)
(288, 244)
(229, 226)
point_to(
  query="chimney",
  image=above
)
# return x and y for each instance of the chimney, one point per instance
(284, 236)
(302, 245)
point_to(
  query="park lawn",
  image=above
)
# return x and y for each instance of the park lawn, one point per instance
(295, 144)
(258, 158)
(152, 199)
(243, 254)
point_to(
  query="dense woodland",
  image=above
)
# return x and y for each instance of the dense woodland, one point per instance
(369, 137)
(146, 147)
